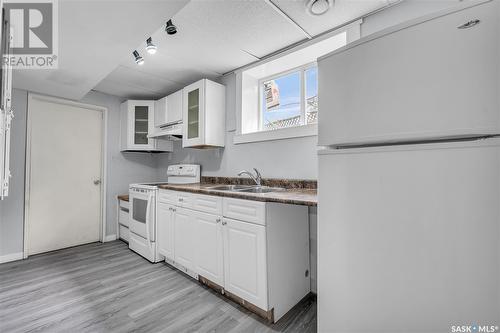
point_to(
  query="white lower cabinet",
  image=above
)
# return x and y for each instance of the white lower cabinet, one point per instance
(165, 227)
(256, 251)
(184, 241)
(245, 267)
(209, 257)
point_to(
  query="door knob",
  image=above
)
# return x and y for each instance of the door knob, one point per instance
(97, 182)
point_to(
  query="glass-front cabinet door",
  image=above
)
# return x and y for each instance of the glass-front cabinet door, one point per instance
(140, 124)
(193, 114)
(141, 119)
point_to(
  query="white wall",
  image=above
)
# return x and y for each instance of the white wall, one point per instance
(290, 158)
(122, 169)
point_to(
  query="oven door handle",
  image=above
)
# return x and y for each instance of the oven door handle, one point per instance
(148, 220)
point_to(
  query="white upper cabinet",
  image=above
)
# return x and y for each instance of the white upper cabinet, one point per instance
(168, 110)
(204, 112)
(438, 77)
(136, 118)
(174, 107)
(160, 118)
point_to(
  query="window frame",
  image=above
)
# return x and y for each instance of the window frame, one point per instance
(302, 77)
(246, 120)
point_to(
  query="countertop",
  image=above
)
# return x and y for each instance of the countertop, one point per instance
(123, 197)
(293, 196)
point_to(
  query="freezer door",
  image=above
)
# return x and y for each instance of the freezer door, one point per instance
(421, 81)
(408, 238)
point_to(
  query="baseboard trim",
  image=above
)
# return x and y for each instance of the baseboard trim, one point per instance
(11, 257)
(109, 238)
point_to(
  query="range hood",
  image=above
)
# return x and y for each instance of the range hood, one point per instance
(169, 132)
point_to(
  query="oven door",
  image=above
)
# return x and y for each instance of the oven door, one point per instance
(142, 212)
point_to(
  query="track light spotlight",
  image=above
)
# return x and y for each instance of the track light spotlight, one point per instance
(138, 59)
(170, 28)
(150, 47)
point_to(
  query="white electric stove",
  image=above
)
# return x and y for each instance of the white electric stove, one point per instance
(142, 199)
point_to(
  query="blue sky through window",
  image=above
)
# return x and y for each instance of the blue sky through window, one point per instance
(289, 95)
(289, 90)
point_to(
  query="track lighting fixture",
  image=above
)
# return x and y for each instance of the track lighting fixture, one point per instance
(170, 28)
(138, 59)
(150, 47)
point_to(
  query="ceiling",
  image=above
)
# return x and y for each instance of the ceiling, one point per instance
(93, 38)
(96, 40)
(215, 37)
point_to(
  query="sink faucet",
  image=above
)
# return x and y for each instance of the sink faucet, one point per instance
(257, 178)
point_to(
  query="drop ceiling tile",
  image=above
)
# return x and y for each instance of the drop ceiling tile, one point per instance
(111, 87)
(341, 12)
(136, 77)
(253, 26)
(92, 36)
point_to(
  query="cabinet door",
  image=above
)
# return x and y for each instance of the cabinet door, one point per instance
(245, 267)
(174, 107)
(208, 252)
(184, 238)
(193, 105)
(140, 124)
(165, 227)
(160, 112)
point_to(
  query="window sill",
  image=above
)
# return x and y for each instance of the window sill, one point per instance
(280, 134)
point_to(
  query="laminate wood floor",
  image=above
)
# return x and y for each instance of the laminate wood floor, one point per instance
(108, 288)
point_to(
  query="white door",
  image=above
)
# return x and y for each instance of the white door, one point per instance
(184, 238)
(245, 266)
(64, 175)
(411, 232)
(165, 225)
(209, 255)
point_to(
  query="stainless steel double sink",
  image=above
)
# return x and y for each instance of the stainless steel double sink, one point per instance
(246, 188)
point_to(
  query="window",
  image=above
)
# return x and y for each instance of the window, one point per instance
(290, 99)
(277, 98)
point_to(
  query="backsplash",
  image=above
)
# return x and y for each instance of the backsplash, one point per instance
(273, 182)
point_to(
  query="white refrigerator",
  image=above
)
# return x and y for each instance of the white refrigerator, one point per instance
(409, 180)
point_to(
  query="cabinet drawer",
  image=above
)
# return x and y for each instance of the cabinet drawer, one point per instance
(167, 196)
(123, 233)
(207, 204)
(184, 199)
(123, 217)
(124, 204)
(244, 210)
